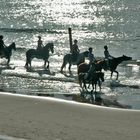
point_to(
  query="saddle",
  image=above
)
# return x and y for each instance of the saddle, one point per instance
(39, 51)
(74, 58)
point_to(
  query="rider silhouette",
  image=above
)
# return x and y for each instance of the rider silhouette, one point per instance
(108, 57)
(2, 45)
(92, 61)
(75, 51)
(91, 56)
(39, 44)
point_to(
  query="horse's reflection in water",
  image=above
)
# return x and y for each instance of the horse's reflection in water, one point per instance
(2, 68)
(94, 79)
(40, 71)
(88, 97)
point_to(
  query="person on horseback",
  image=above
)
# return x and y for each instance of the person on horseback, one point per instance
(39, 44)
(108, 57)
(2, 46)
(91, 56)
(92, 61)
(75, 50)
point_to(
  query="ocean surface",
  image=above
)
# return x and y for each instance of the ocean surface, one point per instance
(94, 23)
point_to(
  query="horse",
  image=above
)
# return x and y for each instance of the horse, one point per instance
(40, 54)
(102, 64)
(8, 52)
(96, 77)
(114, 62)
(68, 59)
(99, 65)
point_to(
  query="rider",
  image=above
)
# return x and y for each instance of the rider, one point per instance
(75, 50)
(91, 56)
(2, 45)
(92, 61)
(107, 56)
(39, 44)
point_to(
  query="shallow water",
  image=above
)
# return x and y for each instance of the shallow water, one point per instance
(94, 23)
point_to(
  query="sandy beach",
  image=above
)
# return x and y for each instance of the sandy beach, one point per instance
(38, 118)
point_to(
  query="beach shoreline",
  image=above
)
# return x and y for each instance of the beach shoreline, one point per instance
(41, 118)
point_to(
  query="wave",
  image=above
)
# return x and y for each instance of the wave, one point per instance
(30, 30)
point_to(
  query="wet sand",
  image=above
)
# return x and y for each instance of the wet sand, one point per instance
(39, 118)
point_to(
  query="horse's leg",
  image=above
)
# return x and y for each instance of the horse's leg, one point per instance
(89, 85)
(26, 64)
(93, 85)
(84, 82)
(117, 74)
(99, 84)
(8, 61)
(28, 60)
(80, 83)
(69, 67)
(45, 61)
(79, 79)
(111, 74)
(48, 65)
(30, 63)
(63, 65)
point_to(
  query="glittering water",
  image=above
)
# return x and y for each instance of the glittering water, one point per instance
(94, 23)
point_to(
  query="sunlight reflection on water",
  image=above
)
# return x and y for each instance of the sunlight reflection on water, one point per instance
(94, 23)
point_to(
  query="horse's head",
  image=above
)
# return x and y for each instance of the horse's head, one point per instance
(12, 46)
(50, 46)
(126, 57)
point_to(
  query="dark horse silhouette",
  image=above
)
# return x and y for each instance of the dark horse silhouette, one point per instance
(8, 52)
(115, 62)
(102, 64)
(94, 79)
(42, 54)
(67, 59)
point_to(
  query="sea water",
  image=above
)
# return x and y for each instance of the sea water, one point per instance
(94, 23)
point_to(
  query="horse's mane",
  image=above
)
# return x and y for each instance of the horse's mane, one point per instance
(13, 43)
(48, 45)
(86, 53)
